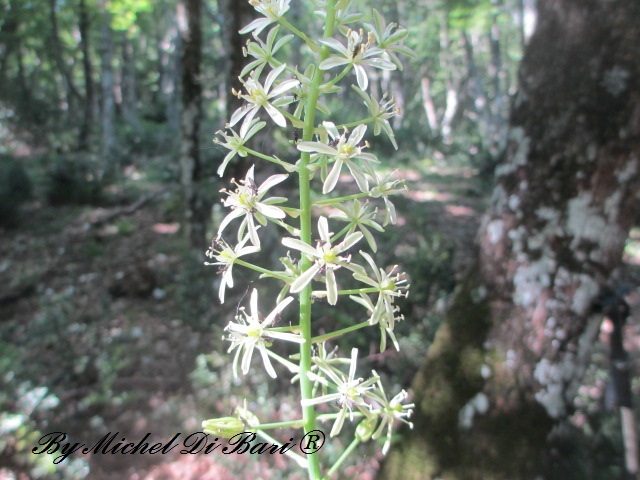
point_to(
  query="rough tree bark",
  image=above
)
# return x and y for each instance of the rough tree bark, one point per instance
(189, 14)
(495, 393)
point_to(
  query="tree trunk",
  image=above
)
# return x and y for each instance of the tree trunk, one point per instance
(495, 393)
(57, 51)
(87, 121)
(188, 14)
(128, 83)
(237, 15)
(106, 84)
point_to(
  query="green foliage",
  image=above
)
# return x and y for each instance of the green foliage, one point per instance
(74, 180)
(124, 12)
(470, 13)
(15, 189)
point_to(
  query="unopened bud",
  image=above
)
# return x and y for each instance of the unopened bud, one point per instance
(225, 427)
(365, 429)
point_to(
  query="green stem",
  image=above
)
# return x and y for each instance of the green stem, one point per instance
(312, 45)
(358, 291)
(342, 458)
(268, 158)
(339, 77)
(337, 333)
(340, 234)
(275, 425)
(330, 201)
(292, 367)
(262, 270)
(306, 385)
(355, 124)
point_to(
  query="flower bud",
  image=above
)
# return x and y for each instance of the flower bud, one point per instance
(225, 427)
(365, 429)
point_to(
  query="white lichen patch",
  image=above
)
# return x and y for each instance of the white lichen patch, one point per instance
(612, 205)
(498, 199)
(478, 404)
(530, 280)
(479, 294)
(552, 379)
(524, 144)
(495, 230)
(517, 237)
(584, 222)
(552, 229)
(584, 295)
(630, 169)
(512, 360)
(514, 202)
(615, 80)
(519, 158)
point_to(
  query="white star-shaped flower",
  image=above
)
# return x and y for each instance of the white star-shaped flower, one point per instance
(389, 286)
(344, 150)
(225, 257)
(350, 391)
(235, 143)
(263, 96)
(272, 11)
(251, 331)
(390, 411)
(357, 53)
(326, 259)
(248, 201)
(263, 52)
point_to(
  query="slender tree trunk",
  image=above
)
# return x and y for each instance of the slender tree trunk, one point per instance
(189, 14)
(429, 107)
(9, 32)
(128, 83)
(494, 396)
(236, 15)
(497, 74)
(452, 82)
(56, 48)
(89, 97)
(106, 84)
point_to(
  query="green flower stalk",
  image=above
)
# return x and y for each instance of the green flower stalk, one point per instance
(316, 260)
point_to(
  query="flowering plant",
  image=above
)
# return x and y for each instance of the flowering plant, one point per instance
(313, 269)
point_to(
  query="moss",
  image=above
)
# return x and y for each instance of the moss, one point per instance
(499, 445)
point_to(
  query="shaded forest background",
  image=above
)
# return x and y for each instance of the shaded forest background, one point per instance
(108, 319)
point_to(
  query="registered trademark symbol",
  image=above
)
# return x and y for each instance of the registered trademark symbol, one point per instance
(312, 442)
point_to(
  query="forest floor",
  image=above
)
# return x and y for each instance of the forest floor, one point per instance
(104, 315)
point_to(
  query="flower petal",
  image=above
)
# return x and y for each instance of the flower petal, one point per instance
(266, 361)
(299, 245)
(283, 87)
(332, 287)
(332, 179)
(304, 279)
(276, 116)
(361, 76)
(271, 181)
(273, 75)
(270, 211)
(323, 229)
(277, 311)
